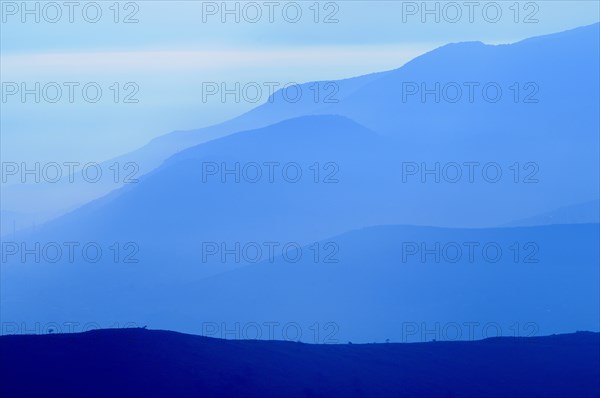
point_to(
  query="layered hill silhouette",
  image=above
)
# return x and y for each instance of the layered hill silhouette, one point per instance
(546, 115)
(317, 176)
(137, 362)
(368, 285)
(365, 161)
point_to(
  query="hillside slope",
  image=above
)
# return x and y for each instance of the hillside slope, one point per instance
(143, 363)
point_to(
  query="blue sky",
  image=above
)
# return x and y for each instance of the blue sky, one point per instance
(175, 46)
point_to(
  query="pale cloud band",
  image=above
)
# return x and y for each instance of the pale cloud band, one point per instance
(346, 59)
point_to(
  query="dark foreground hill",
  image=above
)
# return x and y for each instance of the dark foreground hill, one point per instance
(145, 363)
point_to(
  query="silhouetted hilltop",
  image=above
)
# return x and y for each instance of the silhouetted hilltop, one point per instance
(150, 363)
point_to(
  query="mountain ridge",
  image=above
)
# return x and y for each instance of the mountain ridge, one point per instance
(501, 125)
